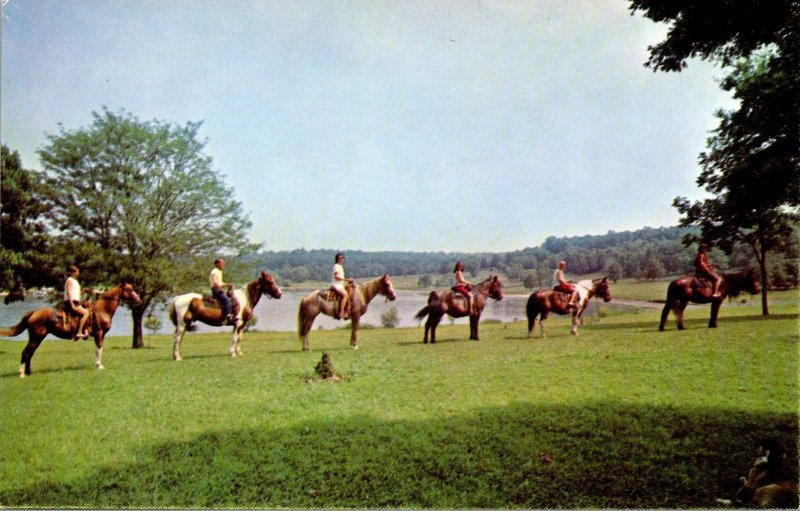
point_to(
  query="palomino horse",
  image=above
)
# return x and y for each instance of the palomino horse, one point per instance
(313, 304)
(454, 304)
(690, 289)
(50, 320)
(186, 309)
(544, 301)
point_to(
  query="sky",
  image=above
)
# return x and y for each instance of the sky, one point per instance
(426, 126)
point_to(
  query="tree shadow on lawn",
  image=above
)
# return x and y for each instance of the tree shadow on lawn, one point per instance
(519, 456)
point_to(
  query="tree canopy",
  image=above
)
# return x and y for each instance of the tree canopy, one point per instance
(139, 200)
(752, 166)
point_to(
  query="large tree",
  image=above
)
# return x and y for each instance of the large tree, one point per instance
(23, 238)
(752, 166)
(140, 201)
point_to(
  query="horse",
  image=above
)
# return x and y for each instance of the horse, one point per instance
(690, 289)
(51, 320)
(187, 308)
(454, 304)
(314, 304)
(544, 301)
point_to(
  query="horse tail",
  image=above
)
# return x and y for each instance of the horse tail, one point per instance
(18, 328)
(173, 313)
(419, 316)
(432, 297)
(531, 310)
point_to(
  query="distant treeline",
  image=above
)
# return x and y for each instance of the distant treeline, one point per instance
(646, 253)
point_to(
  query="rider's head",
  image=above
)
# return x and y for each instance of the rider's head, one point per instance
(562, 265)
(702, 248)
(219, 263)
(459, 266)
(339, 259)
(73, 271)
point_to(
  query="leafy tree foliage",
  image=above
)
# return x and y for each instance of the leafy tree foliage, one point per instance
(24, 246)
(752, 167)
(139, 200)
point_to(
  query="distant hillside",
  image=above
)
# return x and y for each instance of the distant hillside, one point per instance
(647, 253)
(633, 251)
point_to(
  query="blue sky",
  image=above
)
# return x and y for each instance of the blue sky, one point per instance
(446, 125)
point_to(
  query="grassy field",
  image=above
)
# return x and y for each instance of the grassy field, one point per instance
(622, 416)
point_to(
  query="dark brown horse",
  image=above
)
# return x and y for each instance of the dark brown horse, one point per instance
(314, 304)
(186, 309)
(544, 301)
(52, 320)
(454, 304)
(691, 289)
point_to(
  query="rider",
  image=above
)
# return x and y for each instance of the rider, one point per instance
(462, 285)
(704, 270)
(338, 282)
(217, 285)
(562, 286)
(72, 302)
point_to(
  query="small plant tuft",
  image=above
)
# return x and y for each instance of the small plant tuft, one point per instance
(325, 368)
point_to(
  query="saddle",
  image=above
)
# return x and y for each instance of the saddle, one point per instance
(330, 295)
(209, 301)
(68, 320)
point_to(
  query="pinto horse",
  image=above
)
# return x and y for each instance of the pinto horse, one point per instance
(454, 304)
(188, 308)
(50, 320)
(691, 289)
(544, 301)
(314, 304)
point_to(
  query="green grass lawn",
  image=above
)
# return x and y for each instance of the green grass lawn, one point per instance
(622, 416)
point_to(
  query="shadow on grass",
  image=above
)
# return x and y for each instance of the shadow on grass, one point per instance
(691, 323)
(519, 456)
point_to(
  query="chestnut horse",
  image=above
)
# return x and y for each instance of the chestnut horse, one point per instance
(544, 301)
(454, 304)
(691, 289)
(188, 308)
(51, 320)
(313, 304)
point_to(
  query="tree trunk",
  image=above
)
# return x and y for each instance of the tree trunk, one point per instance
(762, 261)
(138, 318)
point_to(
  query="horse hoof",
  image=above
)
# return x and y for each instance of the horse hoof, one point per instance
(99, 368)
(354, 347)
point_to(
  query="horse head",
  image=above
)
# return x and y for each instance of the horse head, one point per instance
(268, 286)
(495, 288)
(751, 282)
(387, 289)
(128, 295)
(601, 289)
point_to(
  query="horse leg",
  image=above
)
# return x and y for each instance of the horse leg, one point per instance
(665, 315)
(474, 320)
(239, 335)
(305, 319)
(575, 320)
(98, 349)
(433, 319)
(541, 323)
(232, 346)
(180, 329)
(355, 319)
(679, 308)
(712, 321)
(27, 355)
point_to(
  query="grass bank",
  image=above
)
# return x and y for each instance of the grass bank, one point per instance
(621, 416)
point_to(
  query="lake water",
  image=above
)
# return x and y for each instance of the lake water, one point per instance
(281, 315)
